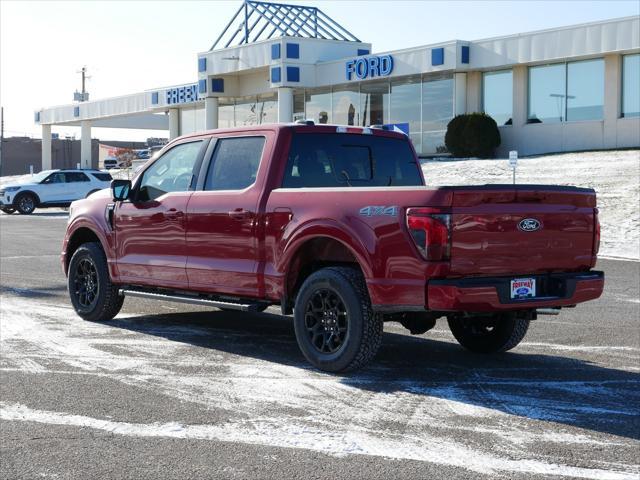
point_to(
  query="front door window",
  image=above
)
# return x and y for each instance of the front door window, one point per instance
(173, 172)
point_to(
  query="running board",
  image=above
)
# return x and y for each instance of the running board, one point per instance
(243, 307)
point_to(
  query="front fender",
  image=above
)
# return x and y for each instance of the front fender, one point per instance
(97, 225)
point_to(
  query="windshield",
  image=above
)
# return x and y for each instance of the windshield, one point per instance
(350, 160)
(38, 177)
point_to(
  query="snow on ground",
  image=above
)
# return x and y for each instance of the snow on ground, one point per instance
(11, 179)
(458, 421)
(615, 176)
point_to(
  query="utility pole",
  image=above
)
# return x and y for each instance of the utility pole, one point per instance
(82, 96)
(84, 77)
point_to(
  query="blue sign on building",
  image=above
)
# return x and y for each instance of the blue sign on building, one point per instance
(369, 67)
(186, 94)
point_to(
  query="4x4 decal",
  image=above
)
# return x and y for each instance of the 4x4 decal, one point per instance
(375, 210)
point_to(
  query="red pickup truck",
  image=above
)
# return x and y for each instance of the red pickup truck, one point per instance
(334, 224)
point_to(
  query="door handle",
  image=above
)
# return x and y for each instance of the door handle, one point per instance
(239, 214)
(173, 214)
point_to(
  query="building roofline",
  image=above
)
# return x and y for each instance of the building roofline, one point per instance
(489, 39)
(277, 39)
(557, 29)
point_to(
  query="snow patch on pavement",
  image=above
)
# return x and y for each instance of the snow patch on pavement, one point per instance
(11, 179)
(579, 348)
(274, 404)
(435, 450)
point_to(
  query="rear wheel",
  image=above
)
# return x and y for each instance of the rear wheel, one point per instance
(335, 325)
(8, 210)
(92, 294)
(26, 203)
(491, 334)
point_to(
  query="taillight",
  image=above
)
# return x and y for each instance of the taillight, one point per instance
(596, 235)
(430, 229)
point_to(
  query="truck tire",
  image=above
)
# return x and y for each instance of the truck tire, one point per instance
(495, 334)
(92, 294)
(26, 203)
(335, 326)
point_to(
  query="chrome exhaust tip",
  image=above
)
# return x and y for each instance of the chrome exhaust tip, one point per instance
(548, 311)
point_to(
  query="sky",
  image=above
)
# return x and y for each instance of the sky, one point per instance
(130, 46)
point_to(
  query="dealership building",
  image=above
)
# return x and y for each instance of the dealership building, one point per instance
(562, 89)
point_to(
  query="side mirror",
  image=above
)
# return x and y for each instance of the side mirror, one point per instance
(120, 189)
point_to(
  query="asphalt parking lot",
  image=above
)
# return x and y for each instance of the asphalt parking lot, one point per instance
(171, 391)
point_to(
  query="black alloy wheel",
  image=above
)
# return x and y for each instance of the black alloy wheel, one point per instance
(86, 283)
(93, 296)
(326, 320)
(336, 327)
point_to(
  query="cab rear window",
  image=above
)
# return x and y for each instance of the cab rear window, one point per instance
(350, 160)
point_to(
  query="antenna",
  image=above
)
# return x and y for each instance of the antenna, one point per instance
(82, 96)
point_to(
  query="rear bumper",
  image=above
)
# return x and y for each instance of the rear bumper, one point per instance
(489, 294)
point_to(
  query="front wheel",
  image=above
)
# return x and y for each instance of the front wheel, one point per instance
(92, 294)
(26, 204)
(335, 326)
(492, 334)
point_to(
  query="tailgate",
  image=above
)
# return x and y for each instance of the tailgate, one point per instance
(502, 230)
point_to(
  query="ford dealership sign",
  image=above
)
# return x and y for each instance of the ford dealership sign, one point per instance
(369, 67)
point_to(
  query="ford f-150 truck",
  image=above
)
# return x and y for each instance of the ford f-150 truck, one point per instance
(335, 225)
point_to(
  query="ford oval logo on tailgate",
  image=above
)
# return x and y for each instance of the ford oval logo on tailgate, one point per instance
(529, 225)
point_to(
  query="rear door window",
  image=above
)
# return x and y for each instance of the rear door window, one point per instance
(103, 177)
(76, 177)
(235, 163)
(350, 160)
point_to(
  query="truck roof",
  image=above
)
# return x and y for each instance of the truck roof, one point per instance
(308, 127)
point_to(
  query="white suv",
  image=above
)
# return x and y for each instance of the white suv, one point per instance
(51, 188)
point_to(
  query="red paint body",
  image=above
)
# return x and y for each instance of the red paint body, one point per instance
(247, 243)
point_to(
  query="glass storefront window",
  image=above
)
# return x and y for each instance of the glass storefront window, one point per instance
(374, 103)
(245, 112)
(405, 105)
(267, 108)
(416, 139)
(192, 120)
(547, 93)
(433, 142)
(437, 102)
(631, 85)
(225, 116)
(346, 105)
(298, 105)
(318, 105)
(585, 90)
(571, 91)
(256, 111)
(497, 95)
